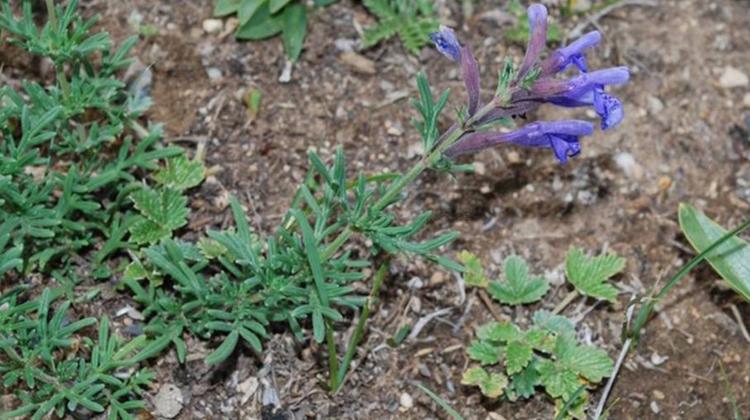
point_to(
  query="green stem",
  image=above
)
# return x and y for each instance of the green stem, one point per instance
(645, 311)
(52, 14)
(359, 330)
(333, 362)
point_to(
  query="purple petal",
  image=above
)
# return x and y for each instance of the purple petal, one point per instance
(538, 134)
(581, 84)
(608, 108)
(470, 70)
(537, 38)
(570, 54)
(446, 42)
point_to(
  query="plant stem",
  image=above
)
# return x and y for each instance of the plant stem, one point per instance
(333, 362)
(570, 297)
(52, 14)
(360, 328)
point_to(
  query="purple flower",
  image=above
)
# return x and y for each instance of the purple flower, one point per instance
(570, 54)
(537, 38)
(581, 85)
(446, 42)
(560, 136)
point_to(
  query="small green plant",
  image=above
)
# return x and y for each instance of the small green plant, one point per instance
(514, 361)
(731, 260)
(260, 19)
(412, 20)
(49, 364)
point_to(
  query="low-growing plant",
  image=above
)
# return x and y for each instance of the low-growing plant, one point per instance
(547, 354)
(48, 364)
(235, 282)
(411, 20)
(260, 19)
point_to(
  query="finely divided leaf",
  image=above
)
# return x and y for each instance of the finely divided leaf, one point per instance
(519, 287)
(473, 271)
(730, 259)
(589, 275)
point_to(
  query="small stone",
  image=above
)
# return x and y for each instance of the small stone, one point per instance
(168, 401)
(214, 73)
(733, 77)
(358, 62)
(658, 394)
(655, 407)
(746, 100)
(479, 168)
(406, 401)
(437, 278)
(415, 283)
(654, 104)
(248, 387)
(629, 166)
(213, 26)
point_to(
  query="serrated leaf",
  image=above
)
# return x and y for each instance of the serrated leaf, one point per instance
(211, 248)
(523, 383)
(555, 323)
(167, 208)
(483, 352)
(181, 173)
(144, 231)
(134, 271)
(491, 384)
(518, 288)
(731, 259)
(518, 354)
(473, 270)
(499, 331)
(557, 381)
(589, 275)
(588, 361)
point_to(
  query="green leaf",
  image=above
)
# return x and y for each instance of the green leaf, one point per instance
(555, 323)
(226, 7)
(499, 331)
(294, 21)
(557, 381)
(589, 275)
(181, 173)
(473, 271)
(144, 231)
(484, 352)
(523, 383)
(730, 259)
(224, 350)
(261, 26)
(588, 361)
(247, 9)
(518, 354)
(167, 208)
(276, 5)
(518, 288)
(491, 384)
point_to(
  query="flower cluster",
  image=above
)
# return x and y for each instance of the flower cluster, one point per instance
(534, 83)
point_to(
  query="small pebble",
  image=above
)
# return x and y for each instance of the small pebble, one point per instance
(358, 62)
(658, 394)
(168, 402)
(746, 100)
(406, 401)
(733, 77)
(655, 407)
(214, 73)
(213, 26)
(655, 105)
